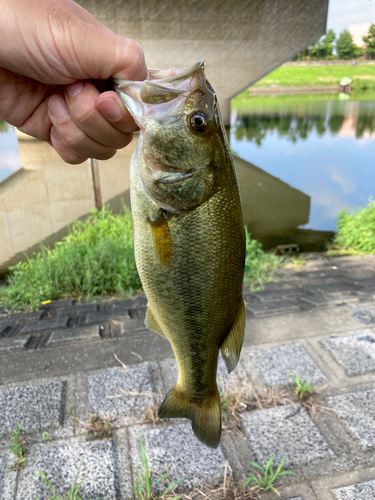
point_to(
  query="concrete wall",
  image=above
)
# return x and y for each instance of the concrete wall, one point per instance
(241, 40)
(40, 200)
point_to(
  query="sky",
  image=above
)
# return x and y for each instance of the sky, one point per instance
(341, 13)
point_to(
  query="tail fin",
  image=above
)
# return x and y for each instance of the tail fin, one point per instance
(205, 417)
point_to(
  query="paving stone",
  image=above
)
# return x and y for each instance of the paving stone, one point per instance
(77, 309)
(359, 491)
(135, 325)
(8, 478)
(271, 306)
(273, 365)
(47, 324)
(71, 334)
(331, 288)
(355, 353)
(329, 300)
(8, 344)
(39, 407)
(122, 393)
(102, 316)
(357, 411)
(60, 461)
(285, 431)
(276, 294)
(294, 498)
(185, 457)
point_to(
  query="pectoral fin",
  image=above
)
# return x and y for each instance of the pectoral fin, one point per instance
(152, 324)
(162, 237)
(231, 347)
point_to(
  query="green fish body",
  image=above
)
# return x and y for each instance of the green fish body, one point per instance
(188, 235)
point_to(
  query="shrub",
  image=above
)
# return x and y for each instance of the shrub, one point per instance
(259, 265)
(96, 258)
(356, 231)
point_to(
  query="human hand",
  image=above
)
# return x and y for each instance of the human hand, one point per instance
(53, 57)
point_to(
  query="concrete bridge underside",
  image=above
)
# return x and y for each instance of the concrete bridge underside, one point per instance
(241, 41)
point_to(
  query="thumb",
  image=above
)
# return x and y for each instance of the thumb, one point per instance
(102, 54)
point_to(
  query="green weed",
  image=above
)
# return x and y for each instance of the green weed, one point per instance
(224, 402)
(72, 494)
(302, 387)
(260, 266)
(95, 259)
(267, 477)
(17, 445)
(355, 231)
(144, 486)
(46, 437)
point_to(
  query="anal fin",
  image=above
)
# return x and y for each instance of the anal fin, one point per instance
(231, 347)
(161, 235)
(152, 324)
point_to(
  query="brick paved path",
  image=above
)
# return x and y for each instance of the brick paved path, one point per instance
(60, 360)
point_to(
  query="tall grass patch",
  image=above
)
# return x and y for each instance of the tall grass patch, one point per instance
(95, 259)
(260, 266)
(356, 231)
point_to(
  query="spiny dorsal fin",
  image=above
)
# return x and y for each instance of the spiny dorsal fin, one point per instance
(231, 347)
(162, 237)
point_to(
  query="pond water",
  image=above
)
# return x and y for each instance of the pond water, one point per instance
(9, 154)
(318, 144)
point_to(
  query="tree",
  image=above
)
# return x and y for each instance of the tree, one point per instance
(324, 47)
(345, 47)
(370, 42)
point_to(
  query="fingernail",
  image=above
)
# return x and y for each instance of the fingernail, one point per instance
(74, 88)
(58, 107)
(110, 109)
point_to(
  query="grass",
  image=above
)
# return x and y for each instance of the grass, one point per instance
(17, 445)
(302, 387)
(95, 259)
(355, 232)
(98, 428)
(72, 494)
(145, 486)
(267, 476)
(319, 75)
(260, 266)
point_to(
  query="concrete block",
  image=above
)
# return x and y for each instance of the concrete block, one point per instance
(271, 306)
(77, 309)
(8, 344)
(8, 478)
(359, 491)
(285, 431)
(135, 325)
(357, 412)
(39, 407)
(355, 353)
(59, 461)
(101, 317)
(123, 394)
(176, 447)
(47, 324)
(329, 300)
(72, 334)
(273, 365)
(294, 498)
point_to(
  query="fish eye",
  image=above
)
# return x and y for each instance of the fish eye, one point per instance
(198, 121)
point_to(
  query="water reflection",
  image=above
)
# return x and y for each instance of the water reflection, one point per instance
(299, 124)
(319, 145)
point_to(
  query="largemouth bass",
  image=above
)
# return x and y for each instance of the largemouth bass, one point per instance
(188, 235)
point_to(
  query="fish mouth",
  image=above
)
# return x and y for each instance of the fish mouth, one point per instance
(161, 76)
